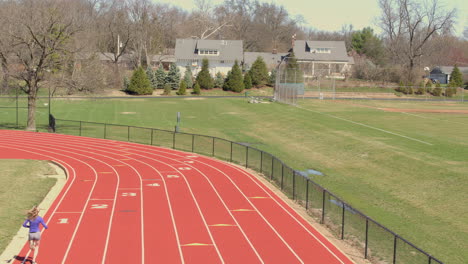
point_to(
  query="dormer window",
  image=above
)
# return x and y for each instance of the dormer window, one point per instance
(320, 50)
(211, 52)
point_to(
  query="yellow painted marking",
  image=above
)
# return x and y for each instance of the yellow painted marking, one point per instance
(126, 154)
(259, 197)
(197, 244)
(243, 210)
(86, 180)
(68, 212)
(223, 225)
(125, 159)
(105, 172)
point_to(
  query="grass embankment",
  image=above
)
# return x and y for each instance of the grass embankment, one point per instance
(407, 171)
(23, 183)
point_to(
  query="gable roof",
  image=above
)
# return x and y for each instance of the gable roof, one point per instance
(448, 70)
(187, 49)
(271, 59)
(338, 53)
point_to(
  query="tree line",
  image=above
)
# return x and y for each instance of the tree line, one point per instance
(145, 82)
(62, 42)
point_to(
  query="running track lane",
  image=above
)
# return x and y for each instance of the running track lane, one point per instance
(130, 203)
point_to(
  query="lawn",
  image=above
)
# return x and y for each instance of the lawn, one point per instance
(405, 170)
(22, 185)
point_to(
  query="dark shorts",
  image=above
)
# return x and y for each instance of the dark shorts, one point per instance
(35, 236)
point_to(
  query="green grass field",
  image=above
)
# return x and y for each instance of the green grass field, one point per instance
(405, 170)
(22, 185)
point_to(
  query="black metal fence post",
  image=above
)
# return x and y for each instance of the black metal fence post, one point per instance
(294, 184)
(128, 134)
(152, 130)
(173, 140)
(323, 207)
(193, 142)
(272, 167)
(342, 221)
(367, 238)
(307, 194)
(213, 147)
(246, 156)
(105, 129)
(261, 161)
(231, 152)
(282, 176)
(394, 249)
(80, 128)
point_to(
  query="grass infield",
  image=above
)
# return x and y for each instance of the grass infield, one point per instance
(23, 183)
(405, 170)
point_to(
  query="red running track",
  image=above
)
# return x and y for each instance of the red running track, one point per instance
(131, 203)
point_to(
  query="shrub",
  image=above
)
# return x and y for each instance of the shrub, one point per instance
(173, 76)
(182, 88)
(196, 89)
(151, 77)
(437, 90)
(456, 79)
(139, 83)
(247, 81)
(421, 88)
(219, 80)
(450, 91)
(188, 76)
(167, 89)
(236, 82)
(259, 72)
(204, 78)
(160, 77)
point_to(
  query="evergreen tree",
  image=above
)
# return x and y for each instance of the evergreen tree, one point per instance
(160, 77)
(226, 82)
(247, 81)
(259, 72)
(167, 89)
(293, 72)
(151, 77)
(204, 78)
(236, 82)
(173, 76)
(139, 84)
(219, 80)
(456, 79)
(188, 76)
(196, 89)
(126, 83)
(182, 88)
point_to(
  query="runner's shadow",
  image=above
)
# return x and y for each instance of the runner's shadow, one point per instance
(19, 258)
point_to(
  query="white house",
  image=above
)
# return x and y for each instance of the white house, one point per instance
(221, 54)
(322, 58)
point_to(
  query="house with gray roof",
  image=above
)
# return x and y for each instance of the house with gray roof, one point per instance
(442, 74)
(221, 54)
(322, 58)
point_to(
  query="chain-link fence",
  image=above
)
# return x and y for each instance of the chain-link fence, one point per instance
(375, 241)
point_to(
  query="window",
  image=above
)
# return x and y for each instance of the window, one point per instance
(208, 52)
(321, 50)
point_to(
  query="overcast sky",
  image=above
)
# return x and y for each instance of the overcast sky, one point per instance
(330, 15)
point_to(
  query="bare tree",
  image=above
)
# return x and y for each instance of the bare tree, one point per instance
(408, 26)
(114, 29)
(36, 37)
(203, 21)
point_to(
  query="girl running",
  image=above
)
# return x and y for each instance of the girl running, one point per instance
(32, 222)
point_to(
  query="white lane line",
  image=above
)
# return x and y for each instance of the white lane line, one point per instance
(89, 196)
(436, 119)
(245, 173)
(364, 125)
